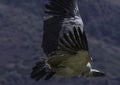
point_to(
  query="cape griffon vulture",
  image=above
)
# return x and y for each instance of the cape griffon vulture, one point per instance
(64, 43)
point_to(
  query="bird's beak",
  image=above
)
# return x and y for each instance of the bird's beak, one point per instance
(98, 74)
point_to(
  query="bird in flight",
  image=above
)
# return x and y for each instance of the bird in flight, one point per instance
(64, 43)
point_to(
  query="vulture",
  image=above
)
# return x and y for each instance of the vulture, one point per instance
(64, 43)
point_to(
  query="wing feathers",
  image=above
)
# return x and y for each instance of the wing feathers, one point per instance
(74, 40)
(83, 39)
(71, 35)
(65, 46)
(69, 41)
(62, 7)
(77, 38)
(41, 71)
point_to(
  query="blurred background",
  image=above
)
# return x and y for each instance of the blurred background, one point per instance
(21, 30)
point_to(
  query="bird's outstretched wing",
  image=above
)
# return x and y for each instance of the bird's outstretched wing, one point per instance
(61, 16)
(65, 8)
(73, 41)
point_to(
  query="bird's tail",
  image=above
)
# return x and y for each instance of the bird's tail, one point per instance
(62, 7)
(41, 71)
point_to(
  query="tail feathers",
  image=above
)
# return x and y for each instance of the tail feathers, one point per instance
(62, 7)
(41, 71)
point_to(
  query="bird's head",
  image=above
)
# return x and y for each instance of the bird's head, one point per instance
(96, 73)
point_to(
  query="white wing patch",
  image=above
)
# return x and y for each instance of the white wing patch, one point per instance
(69, 23)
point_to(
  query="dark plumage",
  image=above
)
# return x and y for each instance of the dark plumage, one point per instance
(64, 43)
(41, 70)
(65, 8)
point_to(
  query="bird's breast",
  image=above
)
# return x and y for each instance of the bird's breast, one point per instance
(75, 65)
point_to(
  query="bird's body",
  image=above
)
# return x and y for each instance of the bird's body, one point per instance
(69, 64)
(64, 43)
